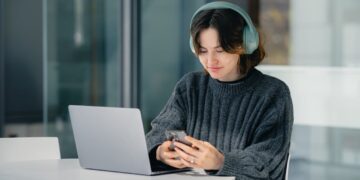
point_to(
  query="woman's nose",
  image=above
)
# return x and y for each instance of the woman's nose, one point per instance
(211, 58)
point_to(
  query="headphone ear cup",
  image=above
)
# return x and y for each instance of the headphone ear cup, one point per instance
(250, 40)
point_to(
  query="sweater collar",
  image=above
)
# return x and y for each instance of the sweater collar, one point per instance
(245, 83)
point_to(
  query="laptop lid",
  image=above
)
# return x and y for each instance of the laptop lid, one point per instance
(109, 138)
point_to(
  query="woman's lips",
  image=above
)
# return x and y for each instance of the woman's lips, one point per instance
(214, 68)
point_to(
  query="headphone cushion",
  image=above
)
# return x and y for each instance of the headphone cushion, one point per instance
(250, 40)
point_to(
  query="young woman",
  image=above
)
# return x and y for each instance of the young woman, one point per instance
(238, 120)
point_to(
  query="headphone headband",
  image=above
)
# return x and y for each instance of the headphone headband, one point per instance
(250, 35)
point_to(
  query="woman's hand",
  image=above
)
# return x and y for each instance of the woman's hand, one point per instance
(200, 155)
(167, 156)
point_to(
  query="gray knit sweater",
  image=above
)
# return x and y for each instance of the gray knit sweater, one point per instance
(250, 122)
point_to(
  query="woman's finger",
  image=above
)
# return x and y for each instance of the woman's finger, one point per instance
(187, 149)
(191, 164)
(170, 155)
(184, 155)
(175, 163)
(195, 142)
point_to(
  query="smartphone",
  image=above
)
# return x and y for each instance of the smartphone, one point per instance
(176, 135)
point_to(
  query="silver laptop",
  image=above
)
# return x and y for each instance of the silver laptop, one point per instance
(111, 139)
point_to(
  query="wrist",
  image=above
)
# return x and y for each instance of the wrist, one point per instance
(221, 162)
(158, 153)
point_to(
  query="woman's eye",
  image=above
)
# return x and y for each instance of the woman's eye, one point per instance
(202, 51)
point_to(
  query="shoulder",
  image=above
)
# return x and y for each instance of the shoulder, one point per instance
(275, 97)
(271, 86)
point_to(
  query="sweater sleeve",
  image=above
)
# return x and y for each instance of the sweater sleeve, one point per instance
(265, 156)
(172, 117)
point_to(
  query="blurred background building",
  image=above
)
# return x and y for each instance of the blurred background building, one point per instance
(130, 53)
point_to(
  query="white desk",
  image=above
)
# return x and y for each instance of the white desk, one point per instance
(70, 169)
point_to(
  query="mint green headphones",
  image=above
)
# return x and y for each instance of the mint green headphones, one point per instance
(250, 35)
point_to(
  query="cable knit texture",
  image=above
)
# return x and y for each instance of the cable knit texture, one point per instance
(249, 121)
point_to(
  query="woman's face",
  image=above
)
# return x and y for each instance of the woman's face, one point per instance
(221, 65)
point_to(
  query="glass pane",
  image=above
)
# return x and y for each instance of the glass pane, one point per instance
(83, 61)
(311, 33)
(319, 152)
(274, 30)
(165, 52)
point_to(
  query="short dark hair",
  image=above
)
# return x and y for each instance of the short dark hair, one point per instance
(229, 25)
